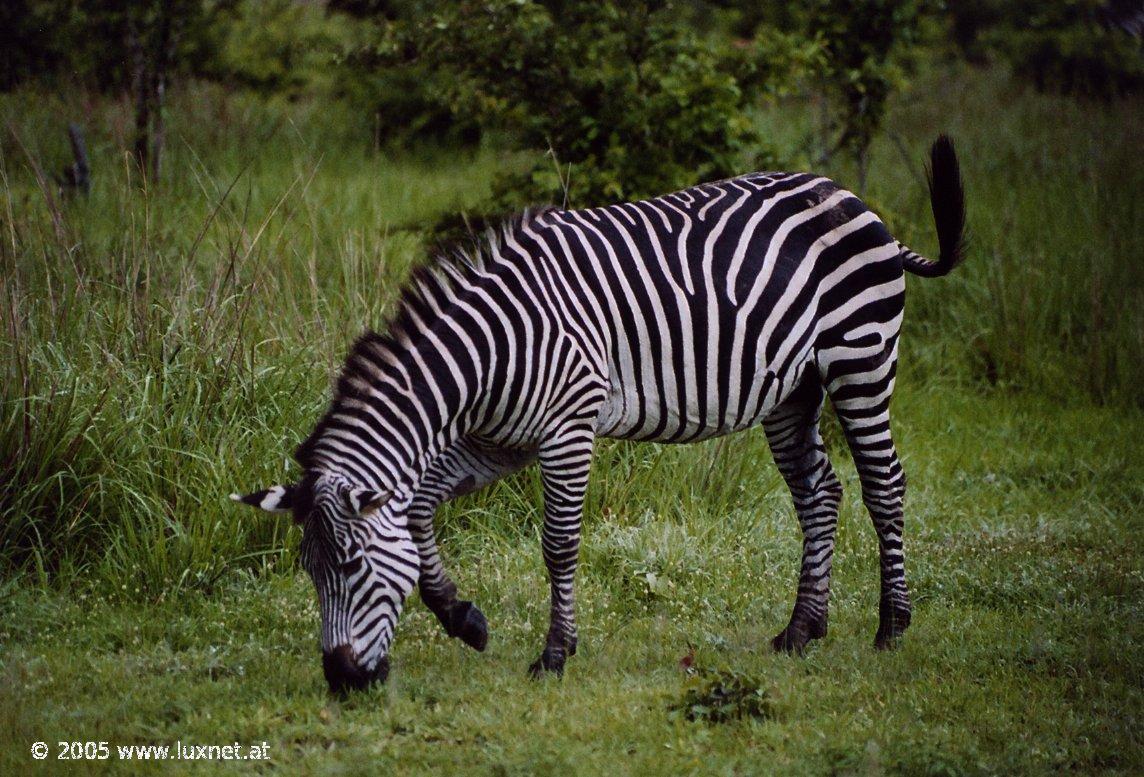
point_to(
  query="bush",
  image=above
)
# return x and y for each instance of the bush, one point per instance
(1078, 57)
(863, 49)
(1078, 47)
(722, 696)
(277, 46)
(94, 41)
(615, 100)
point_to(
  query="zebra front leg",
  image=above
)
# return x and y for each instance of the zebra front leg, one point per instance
(564, 465)
(463, 468)
(796, 444)
(461, 619)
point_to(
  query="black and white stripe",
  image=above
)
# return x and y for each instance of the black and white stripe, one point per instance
(711, 310)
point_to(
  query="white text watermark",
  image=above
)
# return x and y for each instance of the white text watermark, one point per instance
(173, 751)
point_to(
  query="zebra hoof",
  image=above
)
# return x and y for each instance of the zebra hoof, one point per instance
(794, 638)
(551, 661)
(468, 623)
(892, 624)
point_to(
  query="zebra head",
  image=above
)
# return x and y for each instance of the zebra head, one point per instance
(363, 562)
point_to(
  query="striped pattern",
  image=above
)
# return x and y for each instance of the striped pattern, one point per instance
(359, 602)
(692, 315)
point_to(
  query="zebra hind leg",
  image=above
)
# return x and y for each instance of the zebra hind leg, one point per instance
(867, 428)
(796, 444)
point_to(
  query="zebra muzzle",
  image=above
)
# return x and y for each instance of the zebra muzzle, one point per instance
(344, 674)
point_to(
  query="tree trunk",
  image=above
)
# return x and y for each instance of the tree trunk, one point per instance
(152, 53)
(164, 55)
(79, 176)
(140, 90)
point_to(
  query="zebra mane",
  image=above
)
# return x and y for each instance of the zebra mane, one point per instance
(430, 285)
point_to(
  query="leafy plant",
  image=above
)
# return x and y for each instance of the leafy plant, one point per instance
(614, 100)
(863, 43)
(1079, 47)
(721, 696)
(277, 46)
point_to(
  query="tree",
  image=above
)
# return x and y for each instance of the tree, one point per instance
(1079, 47)
(137, 45)
(30, 43)
(863, 41)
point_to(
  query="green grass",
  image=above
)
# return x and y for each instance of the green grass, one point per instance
(1023, 551)
(160, 349)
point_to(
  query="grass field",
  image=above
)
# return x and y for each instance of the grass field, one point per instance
(163, 348)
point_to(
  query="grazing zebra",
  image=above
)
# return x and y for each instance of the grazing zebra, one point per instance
(707, 311)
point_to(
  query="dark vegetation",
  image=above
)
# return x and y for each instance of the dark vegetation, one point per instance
(717, 696)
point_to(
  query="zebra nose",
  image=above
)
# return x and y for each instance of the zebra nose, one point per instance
(343, 672)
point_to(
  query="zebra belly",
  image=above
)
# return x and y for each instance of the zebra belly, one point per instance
(633, 412)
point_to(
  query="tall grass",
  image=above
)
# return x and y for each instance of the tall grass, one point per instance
(161, 347)
(1051, 299)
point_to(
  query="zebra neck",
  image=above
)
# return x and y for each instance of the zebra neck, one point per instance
(399, 402)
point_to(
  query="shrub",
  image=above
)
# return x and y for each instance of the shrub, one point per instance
(1078, 47)
(277, 46)
(714, 696)
(615, 100)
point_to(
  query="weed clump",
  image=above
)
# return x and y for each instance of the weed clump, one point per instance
(722, 696)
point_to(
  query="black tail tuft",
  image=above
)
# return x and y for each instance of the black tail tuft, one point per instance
(947, 199)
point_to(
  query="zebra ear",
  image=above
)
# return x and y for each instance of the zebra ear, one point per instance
(364, 501)
(276, 499)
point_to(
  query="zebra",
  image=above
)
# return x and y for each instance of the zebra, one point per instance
(718, 308)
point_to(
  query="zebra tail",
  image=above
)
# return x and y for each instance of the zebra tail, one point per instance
(947, 200)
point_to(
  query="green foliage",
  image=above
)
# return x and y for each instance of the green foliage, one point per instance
(628, 100)
(278, 46)
(1075, 46)
(1062, 47)
(96, 41)
(862, 53)
(969, 21)
(32, 45)
(861, 40)
(864, 44)
(406, 97)
(721, 696)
